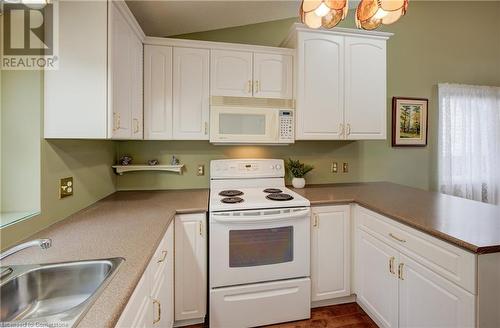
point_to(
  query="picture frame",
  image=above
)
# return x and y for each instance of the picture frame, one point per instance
(409, 122)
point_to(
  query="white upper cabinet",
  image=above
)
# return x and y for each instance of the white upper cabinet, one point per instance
(341, 83)
(365, 88)
(272, 75)
(75, 94)
(330, 252)
(320, 86)
(158, 92)
(191, 101)
(125, 76)
(231, 73)
(97, 91)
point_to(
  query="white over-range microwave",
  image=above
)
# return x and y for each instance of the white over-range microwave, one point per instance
(255, 121)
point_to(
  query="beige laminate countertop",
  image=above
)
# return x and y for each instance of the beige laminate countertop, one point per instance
(472, 225)
(128, 224)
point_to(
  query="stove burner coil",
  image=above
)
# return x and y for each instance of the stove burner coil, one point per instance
(273, 190)
(279, 197)
(231, 200)
(230, 193)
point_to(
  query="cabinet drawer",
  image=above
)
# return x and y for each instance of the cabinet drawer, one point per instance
(451, 262)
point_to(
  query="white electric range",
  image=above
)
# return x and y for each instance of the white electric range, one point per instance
(259, 242)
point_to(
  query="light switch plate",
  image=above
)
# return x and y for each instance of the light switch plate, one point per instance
(201, 170)
(66, 187)
(335, 167)
(345, 167)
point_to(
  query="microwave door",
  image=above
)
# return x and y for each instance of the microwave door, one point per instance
(244, 125)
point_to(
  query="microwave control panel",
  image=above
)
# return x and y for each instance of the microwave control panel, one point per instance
(286, 126)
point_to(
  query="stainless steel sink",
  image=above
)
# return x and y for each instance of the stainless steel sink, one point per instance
(53, 294)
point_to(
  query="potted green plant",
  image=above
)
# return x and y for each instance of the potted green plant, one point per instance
(297, 171)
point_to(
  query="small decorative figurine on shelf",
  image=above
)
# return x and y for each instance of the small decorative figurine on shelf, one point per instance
(125, 160)
(153, 162)
(175, 161)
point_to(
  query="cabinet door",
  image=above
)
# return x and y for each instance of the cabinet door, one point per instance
(330, 258)
(190, 266)
(124, 78)
(157, 92)
(191, 93)
(320, 86)
(231, 73)
(75, 95)
(428, 300)
(138, 312)
(365, 88)
(272, 75)
(376, 279)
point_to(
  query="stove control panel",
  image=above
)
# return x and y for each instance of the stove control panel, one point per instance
(247, 168)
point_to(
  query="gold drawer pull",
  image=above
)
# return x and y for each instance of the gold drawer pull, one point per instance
(396, 238)
(316, 221)
(155, 302)
(391, 265)
(163, 257)
(400, 271)
(250, 86)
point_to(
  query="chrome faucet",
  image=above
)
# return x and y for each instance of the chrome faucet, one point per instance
(42, 243)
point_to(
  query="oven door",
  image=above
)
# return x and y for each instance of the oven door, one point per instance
(259, 245)
(243, 125)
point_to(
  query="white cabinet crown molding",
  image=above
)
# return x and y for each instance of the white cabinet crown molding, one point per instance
(124, 9)
(299, 27)
(158, 41)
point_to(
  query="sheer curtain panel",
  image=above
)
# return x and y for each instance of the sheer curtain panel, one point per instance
(469, 142)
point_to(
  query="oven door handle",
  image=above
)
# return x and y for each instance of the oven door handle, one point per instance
(248, 219)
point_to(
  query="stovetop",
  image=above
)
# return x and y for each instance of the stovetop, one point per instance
(253, 198)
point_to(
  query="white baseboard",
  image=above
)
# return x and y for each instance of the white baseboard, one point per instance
(189, 322)
(334, 301)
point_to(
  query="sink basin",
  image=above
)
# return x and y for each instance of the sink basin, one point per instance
(53, 293)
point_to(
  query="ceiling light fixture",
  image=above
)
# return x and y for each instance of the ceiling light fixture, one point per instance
(370, 14)
(326, 13)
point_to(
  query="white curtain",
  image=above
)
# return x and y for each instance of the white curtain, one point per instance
(469, 142)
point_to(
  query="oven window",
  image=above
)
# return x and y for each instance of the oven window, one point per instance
(256, 247)
(242, 124)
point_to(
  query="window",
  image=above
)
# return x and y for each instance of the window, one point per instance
(469, 142)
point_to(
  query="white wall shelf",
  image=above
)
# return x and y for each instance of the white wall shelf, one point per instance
(120, 169)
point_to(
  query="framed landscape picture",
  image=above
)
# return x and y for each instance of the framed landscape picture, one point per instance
(409, 122)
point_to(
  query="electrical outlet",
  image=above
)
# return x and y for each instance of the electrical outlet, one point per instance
(335, 167)
(66, 187)
(201, 170)
(345, 167)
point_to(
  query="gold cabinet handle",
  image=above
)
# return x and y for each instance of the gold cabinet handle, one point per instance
(206, 128)
(316, 221)
(114, 122)
(348, 129)
(136, 127)
(400, 271)
(200, 224)
(341, 129)
(391, 265)
(155, 302)
(396, 238)
(249, 86)
(257, 86)
(164, 253)
(118, 122)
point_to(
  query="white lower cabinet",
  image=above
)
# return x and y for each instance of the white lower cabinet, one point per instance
(190, 268)
(399, 285)
(330, 252)
(152, 302)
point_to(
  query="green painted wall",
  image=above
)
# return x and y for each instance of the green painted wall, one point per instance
(435, 42)
(89, 162)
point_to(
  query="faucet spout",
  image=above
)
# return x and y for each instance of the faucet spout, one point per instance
(42, 243)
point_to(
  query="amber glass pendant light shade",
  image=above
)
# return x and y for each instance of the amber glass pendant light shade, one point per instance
(323, 13)
(370, 14)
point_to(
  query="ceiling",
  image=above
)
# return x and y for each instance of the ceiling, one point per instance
(168, 17)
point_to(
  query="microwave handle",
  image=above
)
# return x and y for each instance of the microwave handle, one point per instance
(247, 219)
